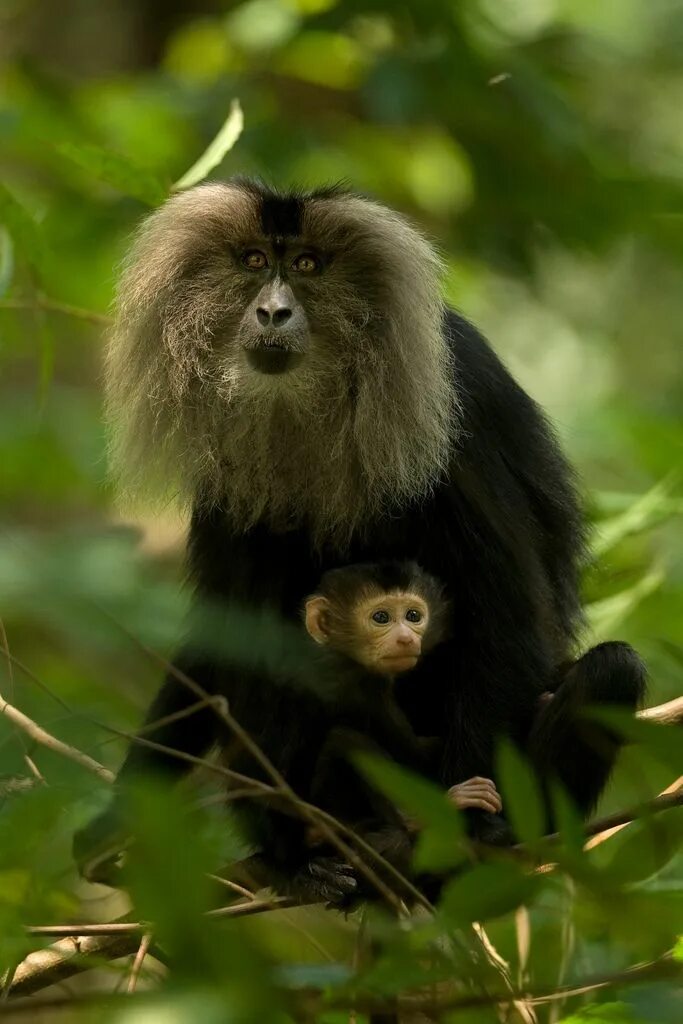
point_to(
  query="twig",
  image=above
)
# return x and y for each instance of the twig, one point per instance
(41, 302)
(241, 890)
(45, 739)
(135, 927)
(520, 1003)
(664, 714)
(142, 952)
(601, 835)
(660, 803)
(66, 958)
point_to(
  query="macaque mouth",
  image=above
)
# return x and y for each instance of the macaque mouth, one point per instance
(401, 661)
(272, 357)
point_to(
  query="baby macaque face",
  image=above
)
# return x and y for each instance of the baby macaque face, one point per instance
(384, 632)
(389, 630)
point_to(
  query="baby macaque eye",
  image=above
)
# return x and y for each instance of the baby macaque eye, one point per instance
(413, 615)
(381, 617)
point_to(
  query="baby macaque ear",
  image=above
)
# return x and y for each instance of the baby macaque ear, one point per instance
(315, 617)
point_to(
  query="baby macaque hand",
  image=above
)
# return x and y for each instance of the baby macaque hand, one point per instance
(476, 792)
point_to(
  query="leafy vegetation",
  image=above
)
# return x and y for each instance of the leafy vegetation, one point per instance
(538, 142)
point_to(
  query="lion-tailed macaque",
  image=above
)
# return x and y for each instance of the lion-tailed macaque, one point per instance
(284, 365)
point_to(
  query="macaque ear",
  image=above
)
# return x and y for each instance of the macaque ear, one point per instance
(315, 617)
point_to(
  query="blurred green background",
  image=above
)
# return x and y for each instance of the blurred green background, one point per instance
(538, 142)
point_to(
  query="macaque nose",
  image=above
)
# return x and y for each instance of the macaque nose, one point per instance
(406, 638)
(273, 315)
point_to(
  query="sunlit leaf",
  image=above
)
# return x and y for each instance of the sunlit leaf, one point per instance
(261, 25)
(6, 261)
(23, 230)
(607, 614)
(117, 171)
(645, 512)
(622, 501)
(214, 153)
(325, 58)
(603, 1013)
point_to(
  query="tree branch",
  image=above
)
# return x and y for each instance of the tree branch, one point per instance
(670, 713)
(644, 810)
(79, 943)
(46, 739)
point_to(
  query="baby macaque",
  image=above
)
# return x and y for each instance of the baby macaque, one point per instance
(376, 621)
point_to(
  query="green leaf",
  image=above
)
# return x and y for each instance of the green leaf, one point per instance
(604, 1013)
(521, 796)
(648, 510)
(23, 229)
(678, 950)
(442, 842)
(216, 150)
(621, 501)
(486, 891)
(647, 846)
(117, 171)
(662, 741)
(6, 261)
(605, 615)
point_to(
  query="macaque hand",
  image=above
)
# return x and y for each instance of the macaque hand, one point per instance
(324, 879)
(476, 792)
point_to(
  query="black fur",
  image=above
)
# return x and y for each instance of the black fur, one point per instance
(505, 535)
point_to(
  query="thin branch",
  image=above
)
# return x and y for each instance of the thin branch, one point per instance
(66, 958)
(245, 909)
(142, 952)
(241, 890)
(520, 1003)
(644, 810)
(44, 304)
(664, 714)
(45, 739)
(608, 830)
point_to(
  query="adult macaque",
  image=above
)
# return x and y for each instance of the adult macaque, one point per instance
(284, 363)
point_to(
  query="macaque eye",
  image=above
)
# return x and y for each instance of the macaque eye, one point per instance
(381, 617)
(255, 260)
(306, 263)
(413, 615)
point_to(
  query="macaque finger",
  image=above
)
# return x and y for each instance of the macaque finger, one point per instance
(463, 795)
(484, 805)
(465, 802)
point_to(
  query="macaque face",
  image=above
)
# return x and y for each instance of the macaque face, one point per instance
(390, 629)
(383, 632)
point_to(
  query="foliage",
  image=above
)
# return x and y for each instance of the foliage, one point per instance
(538, 141)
